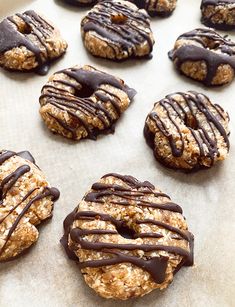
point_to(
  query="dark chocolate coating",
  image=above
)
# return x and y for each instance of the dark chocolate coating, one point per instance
(11, 37)
(122, 32)
(90, 82)
(155, 266)
(80, 3)
(213, 60)
(194, 102)
(225, 26)
(9, 182)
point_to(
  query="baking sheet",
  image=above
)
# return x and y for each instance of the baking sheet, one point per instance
(44, 276)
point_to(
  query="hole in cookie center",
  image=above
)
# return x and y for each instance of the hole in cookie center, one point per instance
(84, 92)
(119, 19)
(26, 29)
(212, 45)
(191, 122)
(126, 232)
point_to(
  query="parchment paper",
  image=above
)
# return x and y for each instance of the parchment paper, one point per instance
(44, 276)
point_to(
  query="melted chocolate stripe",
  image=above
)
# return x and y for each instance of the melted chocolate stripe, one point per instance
(148, 235)
(16, 206)
(184, 234)
(94, 197)
(9, 181)
(131, 181)
(5, 155)
(85, 232)
(99, 246)
(93, 215)
(166, 206)
(156, 266)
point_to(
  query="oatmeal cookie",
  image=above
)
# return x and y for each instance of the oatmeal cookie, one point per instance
(128, 237)
(26, 199)
(117, 30)
(163, 8)
(82, 102)
(187, 131)
(29, 42)
(205, 56)
(219, 14)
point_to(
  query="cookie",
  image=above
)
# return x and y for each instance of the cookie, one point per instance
(127, 237)
(80, 2)
(117, 30)
(26, 200)
(205, 56)
(187, 131)
(219, 14)
(82, 102)
(29, 42)
(163, 8)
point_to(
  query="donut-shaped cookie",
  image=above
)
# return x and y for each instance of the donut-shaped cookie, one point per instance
(26, 199)
(117, 30)
(80, 2)
(29, 42)
(187, 131)
(163, 8)
(219, 14)
(205, 56)
(82, 102)
(128, 237)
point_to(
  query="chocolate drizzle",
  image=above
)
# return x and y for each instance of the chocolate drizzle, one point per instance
(195, 104)
(218, 23)
(215, 50)
(120, 26)
(80, 105)
(135, 191)
(12, 37)
(9, 182)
